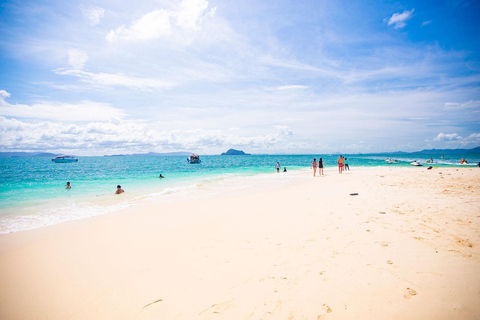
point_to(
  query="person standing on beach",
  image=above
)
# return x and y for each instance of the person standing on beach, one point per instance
(314, 166)
(346, 165)
(340, 162)
(320, 167)
(277, 166)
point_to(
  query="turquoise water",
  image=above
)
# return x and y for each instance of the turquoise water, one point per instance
(33, 193)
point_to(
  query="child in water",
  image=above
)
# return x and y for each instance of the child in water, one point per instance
(119, 190)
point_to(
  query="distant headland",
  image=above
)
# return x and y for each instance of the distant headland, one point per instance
(233, 152)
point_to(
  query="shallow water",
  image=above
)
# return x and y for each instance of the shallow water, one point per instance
(33, 193)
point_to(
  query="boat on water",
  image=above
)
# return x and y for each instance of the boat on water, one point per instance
(415, 163)
(64, 159)
(194, 158)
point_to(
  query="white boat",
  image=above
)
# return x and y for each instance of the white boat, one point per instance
(64, 159)
(194, 158)
(415, 163)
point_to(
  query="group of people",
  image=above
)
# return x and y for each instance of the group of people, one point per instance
(318, 165)
(342, 165)
(277, 166)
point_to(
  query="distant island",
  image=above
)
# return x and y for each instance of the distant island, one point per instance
(26, 154)
(440, 151)
(233, 152)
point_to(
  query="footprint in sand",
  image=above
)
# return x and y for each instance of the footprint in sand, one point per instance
(326, 308)
(218, 307)
(410, 293)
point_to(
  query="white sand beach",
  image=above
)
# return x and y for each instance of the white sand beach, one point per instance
(406, 247)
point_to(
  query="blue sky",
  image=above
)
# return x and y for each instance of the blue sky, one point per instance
(103, 77)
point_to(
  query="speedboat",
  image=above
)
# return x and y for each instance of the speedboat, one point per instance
(64, 159)
(415, 163)
(194, 158)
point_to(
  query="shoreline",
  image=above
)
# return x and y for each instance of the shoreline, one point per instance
(406, 247)
(44, 214)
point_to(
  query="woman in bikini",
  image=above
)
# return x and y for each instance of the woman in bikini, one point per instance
(320, 167)
(314, 166)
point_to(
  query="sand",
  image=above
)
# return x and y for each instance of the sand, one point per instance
(406, 247)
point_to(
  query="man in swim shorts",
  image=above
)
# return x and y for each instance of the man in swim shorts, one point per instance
(340, 162)
(277, 166)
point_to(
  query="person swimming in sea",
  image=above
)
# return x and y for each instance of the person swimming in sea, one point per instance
(119, 190)
(160, 176)
(68, 186)
(284, 169)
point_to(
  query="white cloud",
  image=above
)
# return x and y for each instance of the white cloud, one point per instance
(474, 138)
(93, 14)
(190, 13)
(447, 137)
(288, 87)
(77, 59)
(125, 136)
(107, 79)
(83, 111)
(154, 25)
(284, 130)
(3, 95)
(424, 23)
(151, 26)
(398, 20)
(472, 104)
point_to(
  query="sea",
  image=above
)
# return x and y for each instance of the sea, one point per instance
(33, 190)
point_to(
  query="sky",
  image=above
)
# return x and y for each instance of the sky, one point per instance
(272, 77)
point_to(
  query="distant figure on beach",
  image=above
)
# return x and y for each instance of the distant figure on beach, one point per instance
(478, 165)
(284, 169)
(160, 176)
(320, 167)
(346, 165)
(119, 190)
(340, 162)
(277, 166)
(69, 186)
(463, 161)
(314, 166)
